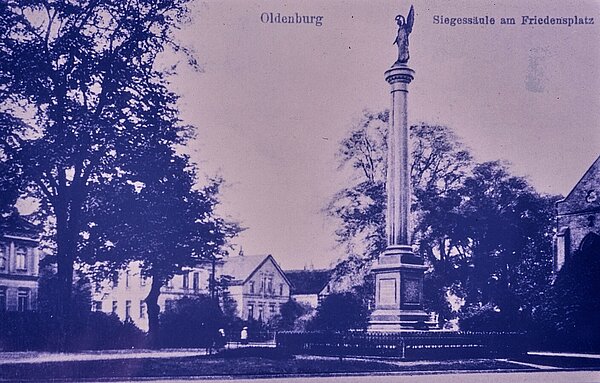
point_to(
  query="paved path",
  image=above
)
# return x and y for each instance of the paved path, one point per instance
(46, 357)
(470, 377)
(565, 354)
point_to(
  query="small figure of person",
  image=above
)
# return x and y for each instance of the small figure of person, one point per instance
(244, 335)
(221, 342)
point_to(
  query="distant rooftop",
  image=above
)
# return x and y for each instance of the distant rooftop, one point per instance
(308, 281)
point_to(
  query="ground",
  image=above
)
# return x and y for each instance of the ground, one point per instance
(269, 363)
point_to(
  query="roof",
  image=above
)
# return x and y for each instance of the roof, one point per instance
(241, 268)
(576, 200)
(16, 225)
(308, 281)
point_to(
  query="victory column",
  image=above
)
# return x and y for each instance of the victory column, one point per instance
(399, 272)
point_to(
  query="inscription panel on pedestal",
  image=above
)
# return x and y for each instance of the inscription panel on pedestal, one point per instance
(411, 291)
(387, 291)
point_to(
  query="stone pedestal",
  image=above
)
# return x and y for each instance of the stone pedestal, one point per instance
(398, 272)
(398, 291)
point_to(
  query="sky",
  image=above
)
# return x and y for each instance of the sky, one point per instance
(272, 101)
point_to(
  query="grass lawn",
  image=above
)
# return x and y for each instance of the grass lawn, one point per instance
(228, 366)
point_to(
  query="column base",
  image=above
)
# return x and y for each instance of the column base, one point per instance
(399, 292)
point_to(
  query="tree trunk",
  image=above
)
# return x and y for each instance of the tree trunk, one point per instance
(153, 312)
(65, 244)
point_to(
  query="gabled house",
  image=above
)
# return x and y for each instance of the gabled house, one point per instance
(258, 285)
(19, 264)
(310, 286)
(578, 217)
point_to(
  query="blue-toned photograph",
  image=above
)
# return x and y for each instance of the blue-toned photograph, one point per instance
(327, 191)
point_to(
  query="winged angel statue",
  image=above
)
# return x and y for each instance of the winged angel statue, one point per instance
(404, 29)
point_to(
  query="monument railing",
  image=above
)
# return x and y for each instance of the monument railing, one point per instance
(405, 345)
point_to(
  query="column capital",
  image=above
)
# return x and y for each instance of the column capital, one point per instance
(399, 73)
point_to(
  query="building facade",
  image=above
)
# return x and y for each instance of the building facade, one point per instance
(578, 217)
(19, 265)
(257, 286)
(125, 296)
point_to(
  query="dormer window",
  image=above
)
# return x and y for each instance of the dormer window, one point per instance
(21, 258)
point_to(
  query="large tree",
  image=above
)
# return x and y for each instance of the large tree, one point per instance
(440, 163)
(162, 222)
(81, 98)
(510, 229)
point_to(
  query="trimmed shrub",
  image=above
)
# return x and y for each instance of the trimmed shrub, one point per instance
(21, 331)
(192, 322)
(340, 312)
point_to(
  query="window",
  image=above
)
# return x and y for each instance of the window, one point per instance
(281, 289)
(272, 309)
(127, 310)
(21, 258)
(115, 281)
(262, 284)
(196, 281)
(2, 298)
(186, 281)
(251, 287)
(97, 306)
(250, 311)
(23, 300)
(270, 285)
(142, 280)
(2, 257)
(170, 283)
(261, 312)
(115, 307)
(127, 278)
(142, 309)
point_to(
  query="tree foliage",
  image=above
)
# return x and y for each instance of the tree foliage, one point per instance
(568, 318)
(288, 315)
(90, 105)
(340, 312)
(192, 322)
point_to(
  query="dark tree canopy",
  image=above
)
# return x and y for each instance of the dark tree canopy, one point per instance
(83, 103)
(289, 313)
(569, 316)
(340, 312)
(192, 322)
